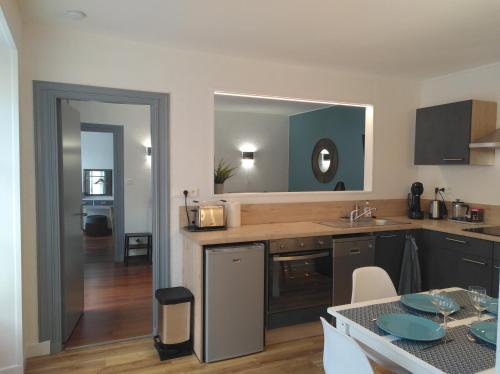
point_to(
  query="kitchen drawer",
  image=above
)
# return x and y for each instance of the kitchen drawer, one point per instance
(87, 202)
(463, 244)
(300, 244)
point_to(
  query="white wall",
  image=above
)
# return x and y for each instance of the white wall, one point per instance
(476, 184)
(137, 168)
(11, 349)
(191, 78)
(269, 134)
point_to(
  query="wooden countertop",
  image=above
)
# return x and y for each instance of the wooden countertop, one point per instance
(268, 231)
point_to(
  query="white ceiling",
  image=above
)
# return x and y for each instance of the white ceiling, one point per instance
(419, 39)
(264, 105)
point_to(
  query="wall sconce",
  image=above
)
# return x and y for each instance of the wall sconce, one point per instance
(247, 155)
(247, 159)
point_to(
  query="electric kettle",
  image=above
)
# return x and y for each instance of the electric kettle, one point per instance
(459, 209)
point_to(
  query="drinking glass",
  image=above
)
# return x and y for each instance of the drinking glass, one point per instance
(433, 300)
(445, 304)
(479, 299)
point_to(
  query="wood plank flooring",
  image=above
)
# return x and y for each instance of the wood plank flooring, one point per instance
(139, 357)
(118, 299)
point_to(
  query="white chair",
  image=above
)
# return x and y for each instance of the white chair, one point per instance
(371, 283)
(341, 354)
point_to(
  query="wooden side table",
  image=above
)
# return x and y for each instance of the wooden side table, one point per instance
(148, 245)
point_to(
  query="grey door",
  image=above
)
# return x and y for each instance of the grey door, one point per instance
(70, 177)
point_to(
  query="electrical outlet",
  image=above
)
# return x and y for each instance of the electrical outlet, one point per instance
(192, 192)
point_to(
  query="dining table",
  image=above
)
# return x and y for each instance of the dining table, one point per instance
(456, 352)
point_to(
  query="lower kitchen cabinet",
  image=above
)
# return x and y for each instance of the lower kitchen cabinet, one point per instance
(496, 269)
(389, 248)
(456, 261)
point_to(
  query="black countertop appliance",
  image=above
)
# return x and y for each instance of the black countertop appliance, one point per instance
(414, 209)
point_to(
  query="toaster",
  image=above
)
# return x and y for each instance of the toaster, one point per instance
(210, 216)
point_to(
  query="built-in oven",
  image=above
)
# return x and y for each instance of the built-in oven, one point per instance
(299, 280)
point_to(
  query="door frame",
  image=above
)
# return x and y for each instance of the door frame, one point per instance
(118, 182)
(45, 97)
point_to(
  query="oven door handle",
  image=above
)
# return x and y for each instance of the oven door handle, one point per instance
(298, 258)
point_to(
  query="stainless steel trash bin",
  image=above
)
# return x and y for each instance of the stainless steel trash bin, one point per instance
(174, 322)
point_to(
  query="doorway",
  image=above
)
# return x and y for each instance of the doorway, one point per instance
(60, 266)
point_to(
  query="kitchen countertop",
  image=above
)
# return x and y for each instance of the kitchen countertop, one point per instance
(270, 231)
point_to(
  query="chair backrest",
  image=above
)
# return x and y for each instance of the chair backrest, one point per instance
(370, 283)
(341, 354)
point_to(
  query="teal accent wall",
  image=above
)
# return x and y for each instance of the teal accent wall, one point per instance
(345, 126)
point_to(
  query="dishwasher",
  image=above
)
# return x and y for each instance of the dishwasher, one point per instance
(350, 253)
(234, 301)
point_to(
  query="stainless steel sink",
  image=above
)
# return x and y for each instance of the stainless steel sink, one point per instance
(363, 222)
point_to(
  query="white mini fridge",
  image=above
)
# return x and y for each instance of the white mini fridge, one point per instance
(234, 301)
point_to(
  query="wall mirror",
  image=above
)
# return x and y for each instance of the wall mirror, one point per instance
(264, 144)
(97, 182)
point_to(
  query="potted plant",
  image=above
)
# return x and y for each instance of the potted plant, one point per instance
(222, 173)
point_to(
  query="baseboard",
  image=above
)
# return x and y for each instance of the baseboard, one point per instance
(37, 349)
(15, 369)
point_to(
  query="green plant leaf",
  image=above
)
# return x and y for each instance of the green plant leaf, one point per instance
(223, 172)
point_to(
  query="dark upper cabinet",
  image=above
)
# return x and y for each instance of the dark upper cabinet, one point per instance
(389, 248)
(443, 133)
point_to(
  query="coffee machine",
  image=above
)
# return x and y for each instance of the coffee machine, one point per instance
(414, 210)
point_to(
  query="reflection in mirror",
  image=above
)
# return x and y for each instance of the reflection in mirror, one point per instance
(271, 142)
(97, 182)
(324, 160)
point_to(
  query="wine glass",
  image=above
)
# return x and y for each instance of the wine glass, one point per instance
(445, 304)
(479, 299)
(433, 300)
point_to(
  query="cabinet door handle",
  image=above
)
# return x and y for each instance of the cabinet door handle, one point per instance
(474, 261)
(496, 267)
(453, 159)
(456, 240)
(354, 251)
(388, 236)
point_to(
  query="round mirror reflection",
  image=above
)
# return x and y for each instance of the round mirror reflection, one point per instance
(324, 160)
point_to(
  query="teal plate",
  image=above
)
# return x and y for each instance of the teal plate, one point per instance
(422, 302)
(411, 327)
(492, 306)
(486, 331)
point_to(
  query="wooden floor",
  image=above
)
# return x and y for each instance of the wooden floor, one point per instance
(138, 356)
(118, 299)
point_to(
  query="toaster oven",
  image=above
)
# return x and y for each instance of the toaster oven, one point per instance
(210, 216)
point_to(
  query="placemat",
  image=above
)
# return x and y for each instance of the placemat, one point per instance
(456, 356)
(366, 315)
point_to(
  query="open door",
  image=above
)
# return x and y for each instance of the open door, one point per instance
(70, 188)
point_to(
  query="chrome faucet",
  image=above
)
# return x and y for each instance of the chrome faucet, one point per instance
(357, 213)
